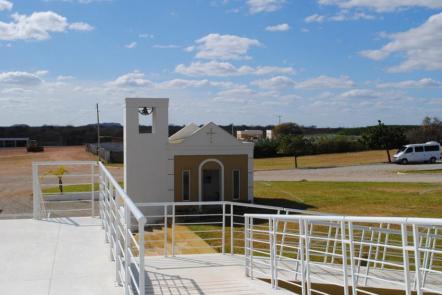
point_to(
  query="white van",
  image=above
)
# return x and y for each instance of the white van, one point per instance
(424, 152)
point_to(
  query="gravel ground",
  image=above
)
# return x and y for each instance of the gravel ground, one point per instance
(369, 173)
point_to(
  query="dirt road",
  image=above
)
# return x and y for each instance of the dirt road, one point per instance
(373, 173)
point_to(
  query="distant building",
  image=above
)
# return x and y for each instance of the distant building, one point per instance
(269, 134)
(249, 135)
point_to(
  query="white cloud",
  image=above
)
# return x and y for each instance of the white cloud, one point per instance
(20, 78)
(281, 82)
(278, 28)
(326, 82)
(343, 15)
(80, 26)
(422, 83)
(223, 47)
(257, 6)
(360, 94)
(36, 26)
(215, 68)
(5, 5)
(422, 47)
(315, 18)
(278, 82)
(383, 5)
(183, 83)
(131, 45)
(133, 79)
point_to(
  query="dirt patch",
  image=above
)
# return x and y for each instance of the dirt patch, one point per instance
(16, 174)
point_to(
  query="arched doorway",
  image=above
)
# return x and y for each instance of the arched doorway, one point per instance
(211, 180)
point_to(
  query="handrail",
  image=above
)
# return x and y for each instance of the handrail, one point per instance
(133, 208)
(357, 250)
(365, 219)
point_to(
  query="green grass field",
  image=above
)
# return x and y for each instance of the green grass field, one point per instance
(354, 198)
(319, 161)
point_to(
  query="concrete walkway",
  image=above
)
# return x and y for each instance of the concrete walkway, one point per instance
(61, 256)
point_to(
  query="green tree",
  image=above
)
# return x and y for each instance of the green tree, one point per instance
(266, 148)
(294, 145)
(384, 137)
(287, 129)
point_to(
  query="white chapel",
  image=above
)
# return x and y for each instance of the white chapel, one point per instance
(195, 164)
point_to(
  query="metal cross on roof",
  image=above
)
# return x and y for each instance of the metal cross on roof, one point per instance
(211, 133)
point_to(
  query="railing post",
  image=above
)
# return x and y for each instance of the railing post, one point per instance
(173, 230)
(165, 231)
(251, 246)
(301, 252)
(232, 240)
(141, 286)
(246, 246)
(352, 258)
(223, 237)
(404, 234)
(126, 249)
(272, 254)
(36, 192)
(93, 190)
(417, 260)
(344, 257)
(308, 233)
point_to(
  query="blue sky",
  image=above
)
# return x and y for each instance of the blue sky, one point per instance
(318, 62)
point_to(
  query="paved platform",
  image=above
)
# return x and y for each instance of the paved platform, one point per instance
(202, 274)
(60, 256)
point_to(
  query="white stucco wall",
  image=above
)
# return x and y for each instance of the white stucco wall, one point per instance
(146, 155)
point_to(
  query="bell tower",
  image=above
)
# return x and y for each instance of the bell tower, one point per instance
(146, 133)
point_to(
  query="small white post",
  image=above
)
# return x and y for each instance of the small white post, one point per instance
(223, 237)
(417, 260)
(404, 234)
(344, 257)
(93, 189)
(246, 245)
(301, 251)
(232, 246)
(165, 231)
(272, 253)
(36, 192)
(173, 230)
(141, 286)
(127, 259)
(251, 246)
(352, 258)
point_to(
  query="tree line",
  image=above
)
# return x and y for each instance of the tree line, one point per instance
(289, 139)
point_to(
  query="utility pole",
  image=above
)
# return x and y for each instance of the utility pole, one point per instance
(279, 119)
(98, 133)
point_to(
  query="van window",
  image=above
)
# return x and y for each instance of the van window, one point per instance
(419, 149)
(431, 148)
(409, 150)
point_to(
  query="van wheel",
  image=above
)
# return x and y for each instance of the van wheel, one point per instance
(433, 160)
(404, 161)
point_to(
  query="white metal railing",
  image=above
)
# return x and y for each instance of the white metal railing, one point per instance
(220, 225)
(121, 218)
(64, 194)
(359, 254)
